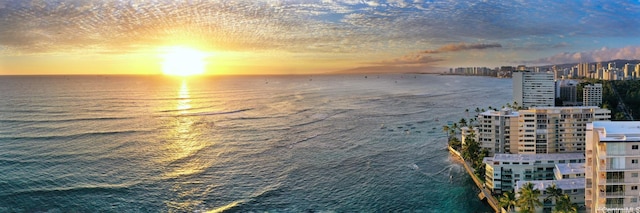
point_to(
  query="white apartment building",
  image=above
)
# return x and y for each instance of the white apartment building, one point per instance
(503, 171)
(612, 166)
(466, 132)
(554, 129)
(592, 95)
(572, 187)
(532, 89)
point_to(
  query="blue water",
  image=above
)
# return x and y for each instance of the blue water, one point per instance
(342, 143)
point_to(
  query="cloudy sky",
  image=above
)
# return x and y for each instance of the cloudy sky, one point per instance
(300, 36)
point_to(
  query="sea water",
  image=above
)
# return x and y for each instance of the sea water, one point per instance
(321, 143)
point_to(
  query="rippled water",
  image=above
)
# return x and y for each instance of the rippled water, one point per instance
(341, 143)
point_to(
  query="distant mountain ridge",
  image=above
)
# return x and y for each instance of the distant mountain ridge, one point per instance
(390, 69)
(619, 63)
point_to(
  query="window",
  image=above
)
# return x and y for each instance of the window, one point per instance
(634, 161)
(634, 200)
(634, 147)
(635, 174)
(634, 187)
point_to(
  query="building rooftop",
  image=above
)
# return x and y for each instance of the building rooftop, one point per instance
(570, 168)
(566, 107)
(568, 82)
(617, 130)
(503, 112)
(533, 158)
(564, 184)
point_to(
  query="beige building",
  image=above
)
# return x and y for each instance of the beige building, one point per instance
(554, 129)
(537, 130)
(494, 130)
(612, 166)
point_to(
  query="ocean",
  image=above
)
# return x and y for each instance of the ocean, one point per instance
(306, 143)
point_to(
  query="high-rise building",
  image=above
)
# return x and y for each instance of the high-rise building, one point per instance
(629, 70)
(494, 130)
(537, 130)
(592, 95)
(583, 70)
(554, 129)
(567, 91)
(612, 165)
(532, 89)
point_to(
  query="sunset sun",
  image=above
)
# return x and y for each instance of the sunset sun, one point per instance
(183, 61)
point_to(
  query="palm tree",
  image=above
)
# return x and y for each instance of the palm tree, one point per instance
(462, 122)
(453, 129)
(564, 205)
(446, 129)
(553, 192)
(528, 198)
(508, 201)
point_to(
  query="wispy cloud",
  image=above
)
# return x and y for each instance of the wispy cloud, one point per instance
(461, 46)
(350, 27)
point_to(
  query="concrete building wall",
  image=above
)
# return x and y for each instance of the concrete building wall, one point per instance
(612, 168)
(504, 170)
(592, 95)
(532, 89)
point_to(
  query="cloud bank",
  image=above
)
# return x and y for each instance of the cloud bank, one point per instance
(461, 46)
(603, 54)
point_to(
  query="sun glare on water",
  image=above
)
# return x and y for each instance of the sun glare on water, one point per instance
(183, 61)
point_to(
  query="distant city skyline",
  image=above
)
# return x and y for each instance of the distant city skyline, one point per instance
(306, 37)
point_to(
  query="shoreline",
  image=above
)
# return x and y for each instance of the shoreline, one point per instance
(485, 194)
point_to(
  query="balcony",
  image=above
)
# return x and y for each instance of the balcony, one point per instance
(616, 180)
(611, 194)
(611, 167)
(628, 153)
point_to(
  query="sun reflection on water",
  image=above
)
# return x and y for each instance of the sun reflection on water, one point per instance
(184, 100)
(183, 143)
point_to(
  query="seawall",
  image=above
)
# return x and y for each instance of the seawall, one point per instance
(485, 193)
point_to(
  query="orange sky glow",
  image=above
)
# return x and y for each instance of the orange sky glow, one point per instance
(242, 37)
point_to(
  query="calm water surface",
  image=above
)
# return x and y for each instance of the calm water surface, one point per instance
(342, 143)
